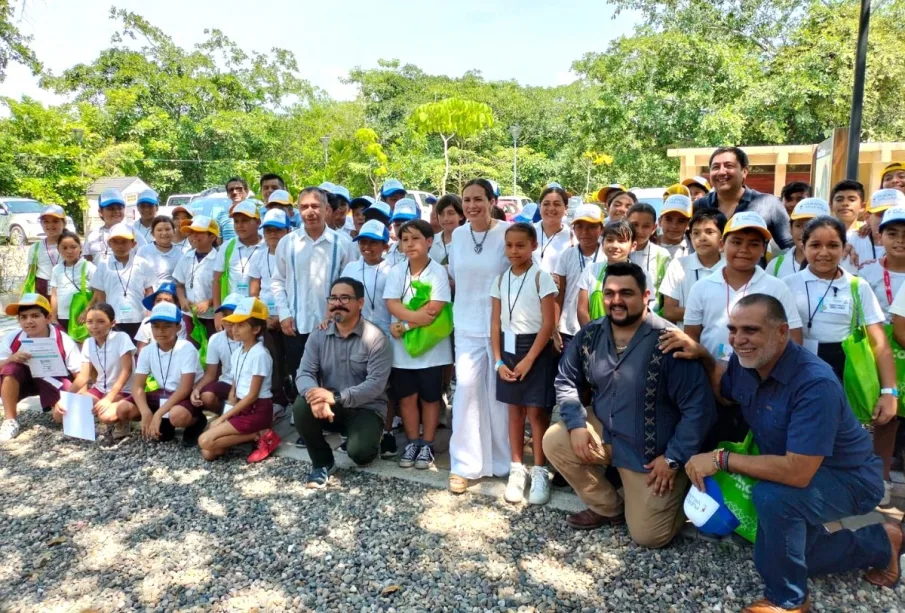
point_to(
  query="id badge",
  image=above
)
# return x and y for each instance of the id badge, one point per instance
(838, 306)
(163, 400)
(125, 312)
(242, 288)
(508, 341)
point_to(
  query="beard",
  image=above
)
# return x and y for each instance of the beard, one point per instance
(628, 320)
(762, 357)
(339, 315)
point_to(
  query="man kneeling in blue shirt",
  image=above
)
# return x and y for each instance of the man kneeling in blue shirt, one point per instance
(816, 463)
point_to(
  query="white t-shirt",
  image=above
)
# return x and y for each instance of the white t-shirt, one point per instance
(439, 251)
(520, 295)
(374, 279)
(106, 359)
(47, 255)
(550, 248)
(68, 281)
(197, 278)
(826, 308)
(73, 358)
(144, 334)
(239, 264)
(96, 244)
(711, 300)
(571, 265)
(145, 233)
(251, 363)
(394, 256)
(167, 367)
(220, 350)
(875, 277)
(162, 262)
(399, 286)
(784, 264)
(261, 268)
(124, 286)
(653, 260)
(474, 273)
(681, 275)
(679, 250)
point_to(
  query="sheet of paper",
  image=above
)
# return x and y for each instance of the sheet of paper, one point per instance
(78, 420)
(46, 360)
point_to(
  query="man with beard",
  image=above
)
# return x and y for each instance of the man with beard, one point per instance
(650, 413)
(342, 383)
(816, 464)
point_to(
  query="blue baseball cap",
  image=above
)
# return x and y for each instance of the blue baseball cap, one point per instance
(529, 214)
(708, 511)
(553, 185)
(230, 302)
(375, 230)
(364, 201)
(343, 193)
(495, 186)
(406, 210)
(165, 288)
(390, 187)
(148, 196)
(430, 200)
(276, 218)
(110, 197)
(380, 211)
(328, 187)
(166, 311)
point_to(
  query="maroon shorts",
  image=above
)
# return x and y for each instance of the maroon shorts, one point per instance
(220, 389)
(100, 395)
(154, 402)
(42, 286)
(29, 386)
(255, 418)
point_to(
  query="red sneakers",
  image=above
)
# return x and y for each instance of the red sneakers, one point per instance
(267, 442)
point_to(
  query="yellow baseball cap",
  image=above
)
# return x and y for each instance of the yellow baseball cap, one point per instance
(246, 208)
(604, 192)
(893, 167)
(28, 300)
(121, 230)
(248, 308)
(747, 220)
(699, 181)
(200, 224)
(676, 189)
(678, 203)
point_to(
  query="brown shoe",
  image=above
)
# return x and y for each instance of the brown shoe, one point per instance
(889, 576)
(591, 520)
(457, 484)
(765, 606)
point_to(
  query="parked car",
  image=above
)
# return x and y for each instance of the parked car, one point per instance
(421, 198)
(177, 199)
(217, 208)
(512, 205)
(650, 195)
(20, 220)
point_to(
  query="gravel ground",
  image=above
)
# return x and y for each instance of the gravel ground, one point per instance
(154, 527)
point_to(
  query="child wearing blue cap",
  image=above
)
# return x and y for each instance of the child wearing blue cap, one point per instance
(212, 390)
(164, 293)
(357, 207)
(405, 211)
(174, 365)
(275, 227)
(147, 205)
(112, 211)
(392, 192)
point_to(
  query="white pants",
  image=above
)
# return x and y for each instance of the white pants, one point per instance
(479, 446)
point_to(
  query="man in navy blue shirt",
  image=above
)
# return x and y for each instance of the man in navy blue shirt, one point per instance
(816, 463)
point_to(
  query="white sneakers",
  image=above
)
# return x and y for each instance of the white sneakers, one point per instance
(9, 430)
(518, 480)
(887, 493)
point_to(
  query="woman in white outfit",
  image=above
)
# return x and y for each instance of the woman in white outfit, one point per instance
(477, 256)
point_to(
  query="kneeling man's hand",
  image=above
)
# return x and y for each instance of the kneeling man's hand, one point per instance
(661, 476)
(584, 446)
(698, 467)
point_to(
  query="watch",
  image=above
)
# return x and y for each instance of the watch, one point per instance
(672, 464)
(892, 391)
(337, 400)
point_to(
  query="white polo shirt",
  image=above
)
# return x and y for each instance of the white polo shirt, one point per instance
(96, 243)
(826, 308)
(256, 362)
(47, 256)
(239, 264)
(220, 350)
(124, 286)
(197, 277)
(68, 282)
(374, 279)
(884, 283)
(169, 366)
(394, 256)
(783, 264)
(653, 260)
(162, 262)
(571, 266)
(681, 275)
(520, 293)
(106, 359)
(550, 248)
(868, 251)
(679, 250)
(711, 300)
(146, 336)
(261, 268)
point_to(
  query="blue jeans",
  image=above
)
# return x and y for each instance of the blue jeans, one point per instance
(792, 543)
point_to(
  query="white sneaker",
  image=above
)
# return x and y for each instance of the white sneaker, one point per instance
(887, 493)
(540, 485)
(518, 479)
(9, 430)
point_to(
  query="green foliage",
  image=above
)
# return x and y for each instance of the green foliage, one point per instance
(13, 44)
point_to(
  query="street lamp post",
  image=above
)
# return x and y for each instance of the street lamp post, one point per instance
(854, 127)
(325, 141)
(516, 131)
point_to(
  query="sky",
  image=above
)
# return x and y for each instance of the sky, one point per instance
(532, 41)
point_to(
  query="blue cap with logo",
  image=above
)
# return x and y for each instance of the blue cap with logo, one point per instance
(148, 196)
(361, 201)
(390, 187)
(708, 511)
(276, 218)
(165, 288)
(342, 192)
(167, 312)
(110, 197)
(406, 210)
(374, 230)
(327, 186)
(380, 211)
(230, 302)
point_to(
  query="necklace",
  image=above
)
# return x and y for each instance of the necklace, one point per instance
(479, 247)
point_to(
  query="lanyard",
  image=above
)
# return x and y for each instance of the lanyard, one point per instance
(512, 303)
(247, 260)
(269, 258)
(160, 365)
(145, 231)
(103, 365)
(407, 282)
(743, 290)
(119, 276)
(820, 303)
(243, 355)
(543, 235)
(72, 279)
(582, 261)
(53, 262)
(195, 263)
(372, 296)
(888, 283)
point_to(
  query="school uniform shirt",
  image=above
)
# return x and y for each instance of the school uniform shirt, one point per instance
(145, 335)
(247, 364)
(550, 248)
(305, 270)
(124, 286)
(184, 245)
(866, 249)
(439, 251)
(167, 367)
(474, 273)
(653, 260)
(45, 254)
(519, 294)
(96, 243)
(197, 276)
(681, 275)
(163, 263)
(679, 250)
(239, 264)
(68, 281)
(825, 307)
(711, 300)
(145, 233)
(784, 264)
(72, 357)
(394, 256)
(220, 350)
(374, 279)
(106, 359)
(399, 287)
(261, 268)
(884, 283)
(591, 274)
(571, 265)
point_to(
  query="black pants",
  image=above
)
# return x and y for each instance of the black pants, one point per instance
(364, 428)
(293, 349)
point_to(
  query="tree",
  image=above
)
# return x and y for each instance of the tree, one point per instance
(13, 44)
(451, 118)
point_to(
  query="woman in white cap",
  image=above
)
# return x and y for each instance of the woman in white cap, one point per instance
(480, 441)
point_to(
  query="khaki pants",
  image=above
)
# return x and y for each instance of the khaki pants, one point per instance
(652, 521)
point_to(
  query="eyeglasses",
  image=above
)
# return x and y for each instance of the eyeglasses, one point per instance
(343, 300)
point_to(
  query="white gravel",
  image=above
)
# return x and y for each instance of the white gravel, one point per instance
(153, 527)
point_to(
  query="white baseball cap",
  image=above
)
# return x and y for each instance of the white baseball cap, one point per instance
(677, 203)
(748, 220)
(811, 207)
(590, 213)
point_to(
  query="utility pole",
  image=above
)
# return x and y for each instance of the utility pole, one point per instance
(854, 127)
(516, 131)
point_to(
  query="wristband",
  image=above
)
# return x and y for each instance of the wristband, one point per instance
(498, 364)
(891, 391)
